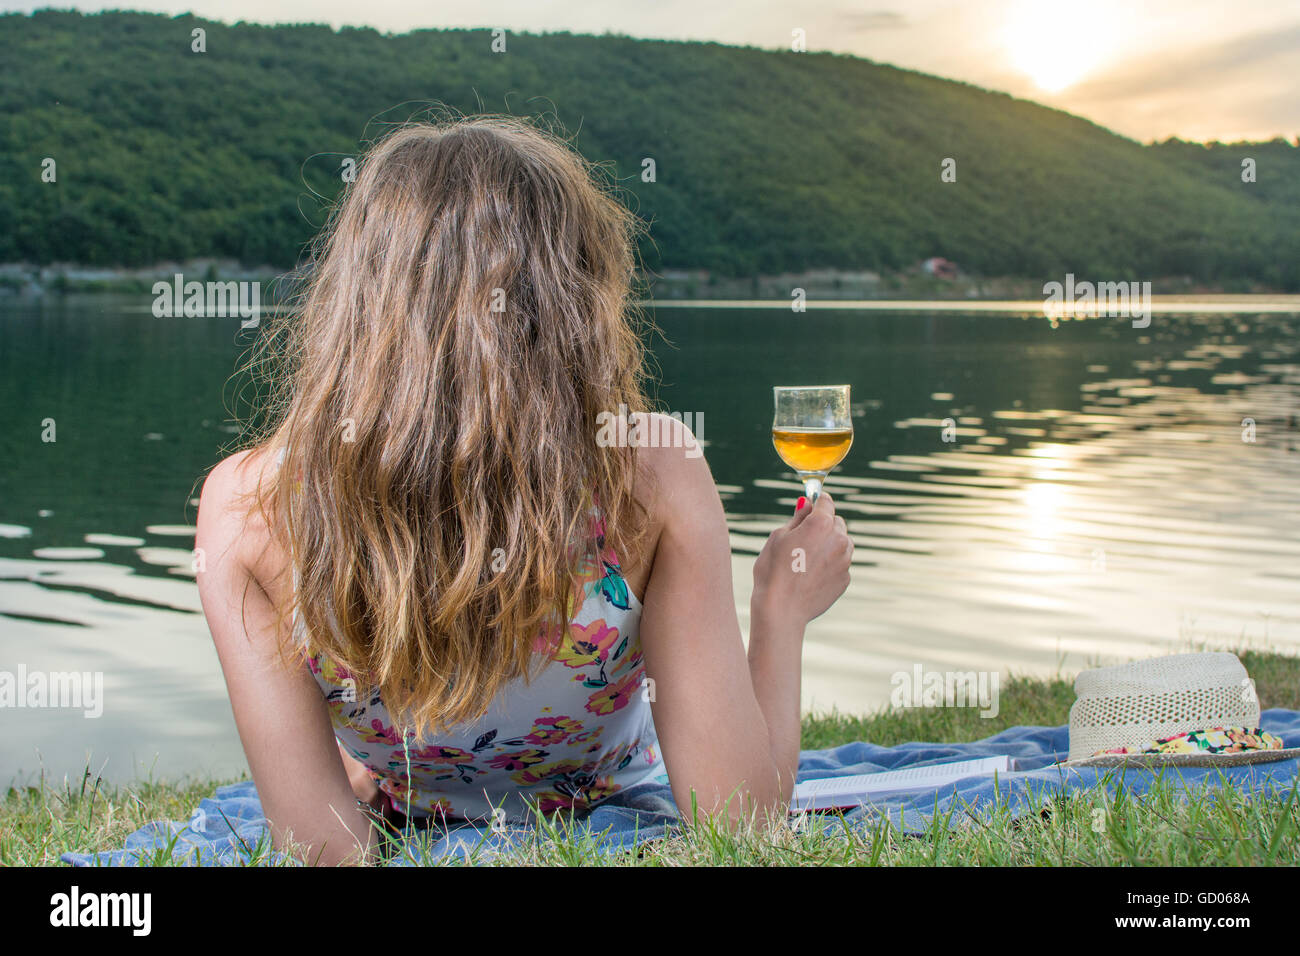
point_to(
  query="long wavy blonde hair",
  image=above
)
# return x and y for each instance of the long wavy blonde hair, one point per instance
(466, 317)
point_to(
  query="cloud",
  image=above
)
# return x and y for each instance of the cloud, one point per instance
(854, 22)
(1246, 87)
(1258, 58)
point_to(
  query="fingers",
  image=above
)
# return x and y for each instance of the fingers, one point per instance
(841, 529)
(823, 506)
(801, 514)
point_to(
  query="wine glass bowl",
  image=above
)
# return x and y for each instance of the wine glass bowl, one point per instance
(812, 430)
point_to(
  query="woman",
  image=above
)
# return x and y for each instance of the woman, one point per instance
(437, 587)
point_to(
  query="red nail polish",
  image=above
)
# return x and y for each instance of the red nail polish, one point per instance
(800, 503)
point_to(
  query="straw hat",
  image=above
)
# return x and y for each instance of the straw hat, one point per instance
(1197, 710)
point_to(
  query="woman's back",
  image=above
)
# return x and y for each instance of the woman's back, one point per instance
(577, 733)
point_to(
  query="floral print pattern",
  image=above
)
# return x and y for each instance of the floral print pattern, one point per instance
(1212, 740)
(579, 733)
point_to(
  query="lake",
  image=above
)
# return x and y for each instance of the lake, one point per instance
(1100, 492)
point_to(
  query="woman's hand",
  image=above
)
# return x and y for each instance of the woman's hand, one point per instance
(363, 784)
(804, 566)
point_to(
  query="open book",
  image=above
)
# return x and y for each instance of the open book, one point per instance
(829, 792)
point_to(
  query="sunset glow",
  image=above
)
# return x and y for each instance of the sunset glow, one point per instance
(1056, 44)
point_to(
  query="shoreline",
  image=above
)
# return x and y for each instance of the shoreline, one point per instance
(673, 288)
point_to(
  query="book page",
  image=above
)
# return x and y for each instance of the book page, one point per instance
(829, 791)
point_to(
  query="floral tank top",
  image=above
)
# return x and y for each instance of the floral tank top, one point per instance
(580, 732)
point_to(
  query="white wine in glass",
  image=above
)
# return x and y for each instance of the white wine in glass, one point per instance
(812, 430)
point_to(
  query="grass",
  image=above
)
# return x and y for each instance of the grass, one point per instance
(1167, 826)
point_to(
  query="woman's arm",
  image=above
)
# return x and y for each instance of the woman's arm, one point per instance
(802, 570)
(728, 726)
(281, 716)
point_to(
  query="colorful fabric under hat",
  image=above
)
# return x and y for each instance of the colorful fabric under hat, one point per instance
(1190, 710)
(1212, 740)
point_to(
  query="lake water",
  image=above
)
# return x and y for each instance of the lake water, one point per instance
(1101, 499)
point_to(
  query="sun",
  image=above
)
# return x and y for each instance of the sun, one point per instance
(1054, 42)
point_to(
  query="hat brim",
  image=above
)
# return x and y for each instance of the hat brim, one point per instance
(1152, 761)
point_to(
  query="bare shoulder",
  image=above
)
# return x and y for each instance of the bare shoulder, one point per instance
(229, 523)
(671, 468)
(231, 481)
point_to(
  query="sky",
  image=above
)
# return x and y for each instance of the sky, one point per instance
(1149, 69)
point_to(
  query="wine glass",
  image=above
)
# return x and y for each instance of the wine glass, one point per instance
(812, 430)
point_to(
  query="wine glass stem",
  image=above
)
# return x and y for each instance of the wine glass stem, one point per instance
(813, 487)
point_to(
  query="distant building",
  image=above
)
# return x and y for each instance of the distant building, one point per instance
(940, 268)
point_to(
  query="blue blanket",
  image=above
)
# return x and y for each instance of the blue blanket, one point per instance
(226, 826)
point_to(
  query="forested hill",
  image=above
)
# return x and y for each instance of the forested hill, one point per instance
(764, 161)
